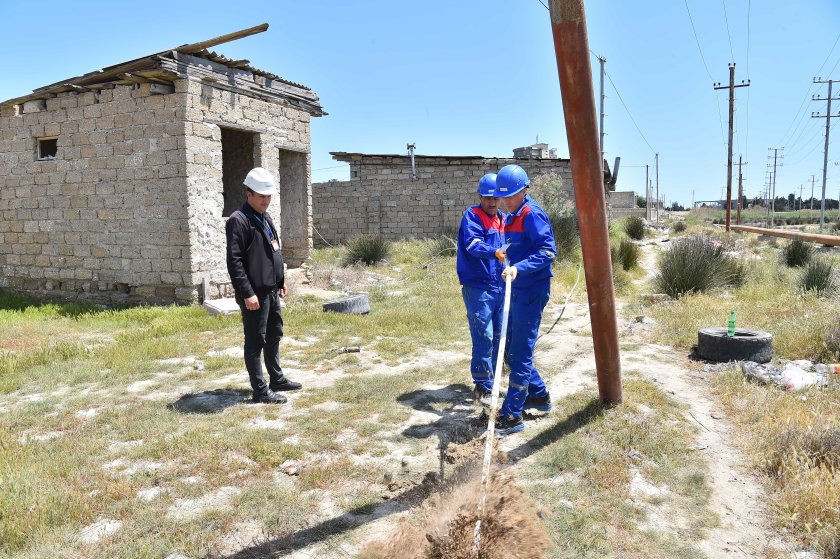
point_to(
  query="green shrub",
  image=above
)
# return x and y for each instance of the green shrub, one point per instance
(566, 235)
(367, 249)
(679, 226)
(818, 277)
(634, 226)
(696, 264)
(625, 253)
(797, 253)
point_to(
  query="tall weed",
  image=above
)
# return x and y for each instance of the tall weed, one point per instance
(818, 277)
(797, 253)
(697, 264)
(634, 226)
(367, 249)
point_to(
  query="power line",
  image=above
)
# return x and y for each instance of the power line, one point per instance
(698, 41)
(333, 167)
(543, 3)
(729, 36)
(628, 112)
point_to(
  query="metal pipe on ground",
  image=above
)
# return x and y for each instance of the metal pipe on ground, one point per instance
(571, 45)
(830, 240)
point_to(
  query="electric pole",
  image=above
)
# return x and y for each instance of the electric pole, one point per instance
(731, 88)
(657, 190)
(740, 191)
(812, 195)
(776, 164)
(647, 194)
(800, 198)
(828, 117)
(602, 60)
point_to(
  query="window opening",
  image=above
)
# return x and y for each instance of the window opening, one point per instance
(47, 148)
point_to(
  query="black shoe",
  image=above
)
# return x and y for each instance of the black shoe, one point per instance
(285, 385)
(507, 424)
(481, 396)
(269, 398)
(543, 403)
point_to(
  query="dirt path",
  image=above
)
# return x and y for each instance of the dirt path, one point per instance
(737, 495)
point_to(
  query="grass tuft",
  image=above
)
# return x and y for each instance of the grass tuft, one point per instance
(634, 226)
(697, 264)
(566, 235)
(367, 249)
(626, 253)
(818, 277)
(797, 253)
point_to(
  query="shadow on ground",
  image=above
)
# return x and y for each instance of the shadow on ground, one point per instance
(210, 401)
(454, 423)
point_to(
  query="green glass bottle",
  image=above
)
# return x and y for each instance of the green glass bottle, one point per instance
(731, 331)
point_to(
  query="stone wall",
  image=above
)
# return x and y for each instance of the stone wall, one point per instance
(381, 196)
(106, 220)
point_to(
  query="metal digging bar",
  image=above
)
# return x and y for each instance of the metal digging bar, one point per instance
(491, 421)
(568, 24)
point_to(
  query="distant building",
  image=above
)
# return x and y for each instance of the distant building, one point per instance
(535, 151)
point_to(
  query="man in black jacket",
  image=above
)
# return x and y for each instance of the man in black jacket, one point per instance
(255, 266)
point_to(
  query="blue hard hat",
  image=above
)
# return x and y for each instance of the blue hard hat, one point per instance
(487, 185)
(510, 180)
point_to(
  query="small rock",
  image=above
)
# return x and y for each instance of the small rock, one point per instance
(290, 467)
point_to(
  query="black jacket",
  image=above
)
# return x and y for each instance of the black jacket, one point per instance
(253, 267)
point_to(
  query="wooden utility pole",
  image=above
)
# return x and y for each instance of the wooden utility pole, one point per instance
(571, 45)
(812, 194)
(657, 190)
(731, 88)
(776, 164)
(828, 117)
(647, 194)
(740, 191)
(603, 61)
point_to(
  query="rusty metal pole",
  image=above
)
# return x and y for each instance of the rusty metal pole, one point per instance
(568, 25)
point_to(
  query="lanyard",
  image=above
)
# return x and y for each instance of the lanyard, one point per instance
(264, 224)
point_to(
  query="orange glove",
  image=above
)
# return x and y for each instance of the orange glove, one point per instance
(501, 255)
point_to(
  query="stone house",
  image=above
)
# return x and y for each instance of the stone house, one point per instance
(115, 185)
(412, 196)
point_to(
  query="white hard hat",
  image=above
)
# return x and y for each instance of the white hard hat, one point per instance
(260, 181)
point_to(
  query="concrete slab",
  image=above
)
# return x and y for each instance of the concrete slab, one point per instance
(222, 306)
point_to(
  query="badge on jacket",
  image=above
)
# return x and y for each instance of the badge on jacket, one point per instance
(275, 246)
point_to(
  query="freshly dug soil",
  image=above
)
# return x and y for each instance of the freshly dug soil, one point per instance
(444, 528)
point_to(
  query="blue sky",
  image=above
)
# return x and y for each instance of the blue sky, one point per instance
(474, 77)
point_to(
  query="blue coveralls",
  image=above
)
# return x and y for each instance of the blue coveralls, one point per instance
(479, 236)
(532, 251)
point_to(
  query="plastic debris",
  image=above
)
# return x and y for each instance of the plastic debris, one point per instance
(790, 375)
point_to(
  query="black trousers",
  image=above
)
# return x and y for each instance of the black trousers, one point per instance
(263, 330)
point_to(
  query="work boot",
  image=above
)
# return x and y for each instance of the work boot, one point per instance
(284, 385)
(482, 396)
(507, 424)
(541, 403)
(269, 397)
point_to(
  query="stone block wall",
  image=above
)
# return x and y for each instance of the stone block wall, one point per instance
(132, 207)
(106, 220)
(381, 196)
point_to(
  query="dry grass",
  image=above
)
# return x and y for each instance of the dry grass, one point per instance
(794, 438)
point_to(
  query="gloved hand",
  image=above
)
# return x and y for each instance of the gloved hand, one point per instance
(501, 255)
(510, 271)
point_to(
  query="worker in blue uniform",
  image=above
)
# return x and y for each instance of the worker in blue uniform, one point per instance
(479, 267)
(530, 254)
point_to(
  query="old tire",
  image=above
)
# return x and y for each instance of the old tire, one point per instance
(354, 304)
(746, 345)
